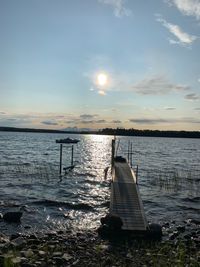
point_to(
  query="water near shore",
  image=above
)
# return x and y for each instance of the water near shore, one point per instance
(169, 180)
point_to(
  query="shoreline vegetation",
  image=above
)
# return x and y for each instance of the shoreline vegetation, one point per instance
(111, 131)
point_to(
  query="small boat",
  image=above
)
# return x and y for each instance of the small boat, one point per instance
(67, 141)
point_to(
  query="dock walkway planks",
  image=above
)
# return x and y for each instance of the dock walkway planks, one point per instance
(125, 198)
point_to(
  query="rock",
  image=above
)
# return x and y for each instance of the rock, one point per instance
(33, 236)
(27, 265)
(104, 247)
(166, 224)
(14, 236)
(188, 222)
(16, 261)
(104, 231)
(27, 227)
(196, 240)
(41, 253)
(38, 263)
(67, 257)
(57, 254)
(28, 253)
(75, 262)
(18, 241)
(187, 236)
(13, 216)
(112, 221)
(197, 222)
(1, 215)
(59, 261)
(173, 235)
(4, 239)
(154, 231)
(181, 228)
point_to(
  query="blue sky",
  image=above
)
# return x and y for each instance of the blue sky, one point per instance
(52, 52)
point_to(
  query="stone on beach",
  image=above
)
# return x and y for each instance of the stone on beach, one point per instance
(13, 216)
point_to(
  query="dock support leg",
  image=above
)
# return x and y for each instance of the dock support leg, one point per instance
(60, 159)
(137, 174)
(129, 152)
(131, 162)
(113, 153)
(72, 159)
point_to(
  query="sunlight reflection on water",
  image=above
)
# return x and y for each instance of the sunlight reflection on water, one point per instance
(29, 177)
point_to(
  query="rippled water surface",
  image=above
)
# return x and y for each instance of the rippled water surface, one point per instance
(169, 179)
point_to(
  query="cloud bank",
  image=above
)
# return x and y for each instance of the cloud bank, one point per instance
(164, 121)
(157, 85)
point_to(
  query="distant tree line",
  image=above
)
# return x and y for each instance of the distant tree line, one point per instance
(29, 130)
(153, 133)
(110, 131)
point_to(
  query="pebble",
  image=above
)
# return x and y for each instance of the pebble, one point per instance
(58, 260)
(27, 253)
(181, 228)
(75, 262)
(67, 256)
(173, 235)
(18, 241)
(16, 260)
(57, 254)
(41, 253)
(91, 251)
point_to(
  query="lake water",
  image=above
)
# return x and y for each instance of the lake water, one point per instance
(169, 179)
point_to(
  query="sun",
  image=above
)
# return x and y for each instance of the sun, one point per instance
(102, 79)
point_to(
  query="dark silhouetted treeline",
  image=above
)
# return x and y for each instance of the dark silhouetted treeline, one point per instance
(153, 133)
(29, 130)
(110, 131)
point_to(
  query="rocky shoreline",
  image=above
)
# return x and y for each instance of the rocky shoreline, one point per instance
(180, 246)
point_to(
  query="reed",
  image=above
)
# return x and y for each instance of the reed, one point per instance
(176, 180)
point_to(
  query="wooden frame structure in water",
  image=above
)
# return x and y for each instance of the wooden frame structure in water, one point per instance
(62, 142)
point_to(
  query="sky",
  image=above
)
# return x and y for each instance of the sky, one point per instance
(92, 64)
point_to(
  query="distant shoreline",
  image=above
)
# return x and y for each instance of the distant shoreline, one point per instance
(110, 131)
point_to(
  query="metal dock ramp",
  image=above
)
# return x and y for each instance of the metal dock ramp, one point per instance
(125, 198)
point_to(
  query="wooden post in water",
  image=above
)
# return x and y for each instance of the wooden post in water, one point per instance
(131, 155)
(137, 174)
(112, 153)
(60, 159)
(72, 159)
(128, 151)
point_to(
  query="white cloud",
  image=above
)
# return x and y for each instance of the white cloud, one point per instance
(183, 38)
(187, 7)
(118, 6)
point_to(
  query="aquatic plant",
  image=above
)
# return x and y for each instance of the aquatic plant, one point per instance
(175, 180)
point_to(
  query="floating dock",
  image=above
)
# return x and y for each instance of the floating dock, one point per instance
(125, 201)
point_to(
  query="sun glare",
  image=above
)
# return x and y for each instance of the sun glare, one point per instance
(102, 79)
